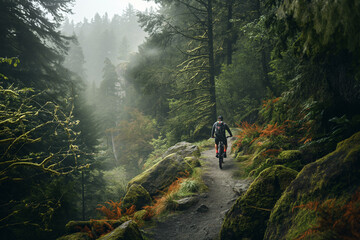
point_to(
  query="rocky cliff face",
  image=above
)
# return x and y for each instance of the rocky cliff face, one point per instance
(335, 176)
(334, 180)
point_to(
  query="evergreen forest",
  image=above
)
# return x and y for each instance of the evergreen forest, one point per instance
(88, 109)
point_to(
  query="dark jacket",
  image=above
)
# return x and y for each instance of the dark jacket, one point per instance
(226, 129)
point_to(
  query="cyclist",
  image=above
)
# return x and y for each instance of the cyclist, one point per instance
(218, 129)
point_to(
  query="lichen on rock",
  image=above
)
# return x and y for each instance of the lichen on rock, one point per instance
(247, 218)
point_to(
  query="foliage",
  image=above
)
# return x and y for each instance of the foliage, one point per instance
(160, 147)
(132, 139)
(335, 219)
(116, 182)
(114, 211)
(17, 136)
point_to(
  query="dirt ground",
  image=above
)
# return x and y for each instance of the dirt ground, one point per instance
(200, 225)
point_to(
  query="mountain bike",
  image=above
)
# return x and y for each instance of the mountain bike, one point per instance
(221, 147)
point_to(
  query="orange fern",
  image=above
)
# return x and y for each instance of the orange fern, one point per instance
(113, 212)
(268, 103)
(130, 211)
(247, 131)
(160, 204)
(272, 130)
(271, 152)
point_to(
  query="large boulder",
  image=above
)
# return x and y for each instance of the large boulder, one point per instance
(184, 149)
(162, 174)
(335, 176)
(248, 216)
(128, 230)
(136, 195)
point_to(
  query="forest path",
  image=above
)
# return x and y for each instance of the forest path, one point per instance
(222, 193)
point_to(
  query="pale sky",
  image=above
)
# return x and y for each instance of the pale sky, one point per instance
(88, 8)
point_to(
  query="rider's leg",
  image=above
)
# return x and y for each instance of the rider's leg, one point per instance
(225, 148)
(216, 146)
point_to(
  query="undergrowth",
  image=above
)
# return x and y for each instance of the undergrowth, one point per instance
(264, 141)
(335, 219)
(111, 212)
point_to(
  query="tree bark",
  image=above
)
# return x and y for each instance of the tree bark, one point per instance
(83, 194)
(113, 148)
(229, 40)
(211, 59)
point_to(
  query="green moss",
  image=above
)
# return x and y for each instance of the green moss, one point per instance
(162, 174)
(192, 161)
(247, 218)
(136, 195)
(304, 220)
(336, 175)
(290, 155)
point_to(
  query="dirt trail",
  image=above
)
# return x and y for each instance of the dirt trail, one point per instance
(192, 224)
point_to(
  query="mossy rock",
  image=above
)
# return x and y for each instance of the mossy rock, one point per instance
(334, 176)
(128, 230)
(184, 149)
(140, 215)
(75, 236)
(193, 162)
(248, 216)
(289, 155)
(162, 174)
(136, 195)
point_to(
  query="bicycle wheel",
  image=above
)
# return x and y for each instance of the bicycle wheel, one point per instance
(221, 155)
(220, 161)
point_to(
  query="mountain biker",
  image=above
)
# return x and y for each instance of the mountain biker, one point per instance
(218, 129)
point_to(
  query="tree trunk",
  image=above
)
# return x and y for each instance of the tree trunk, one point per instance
(113, 148)
(229, 40)
(211, 59)
(264, 54)
(83, 194)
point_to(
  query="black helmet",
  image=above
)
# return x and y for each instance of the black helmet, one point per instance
(220, 117)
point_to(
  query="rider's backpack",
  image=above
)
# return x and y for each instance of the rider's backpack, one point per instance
(219, 129)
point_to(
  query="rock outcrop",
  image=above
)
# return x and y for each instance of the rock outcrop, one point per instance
(162, 174)
(128, 230)
(184, 149)
(335, 176)
(136, 195)
(248, 216)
